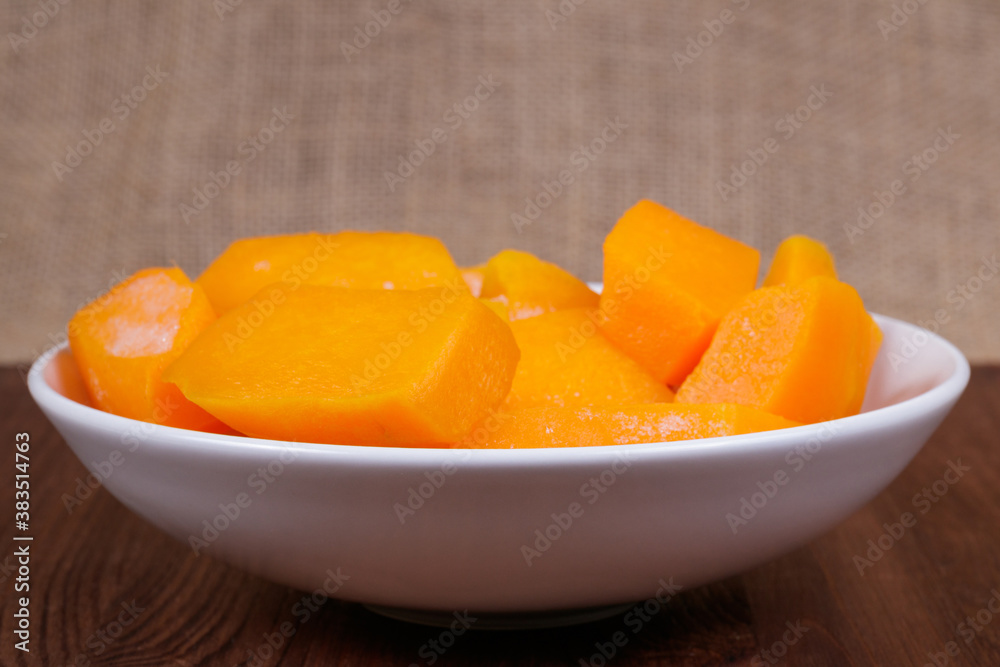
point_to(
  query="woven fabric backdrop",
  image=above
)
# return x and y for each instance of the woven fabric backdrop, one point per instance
(116, 115)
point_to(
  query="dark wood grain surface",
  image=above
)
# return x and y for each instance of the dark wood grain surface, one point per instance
(109, 589)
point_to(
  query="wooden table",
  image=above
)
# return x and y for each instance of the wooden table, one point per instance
(107, 588)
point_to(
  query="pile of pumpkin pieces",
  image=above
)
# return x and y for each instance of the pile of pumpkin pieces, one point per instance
(379, 338)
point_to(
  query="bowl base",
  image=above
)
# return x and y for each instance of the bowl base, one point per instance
(535, 620)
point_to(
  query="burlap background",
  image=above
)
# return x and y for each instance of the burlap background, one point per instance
(226, 67)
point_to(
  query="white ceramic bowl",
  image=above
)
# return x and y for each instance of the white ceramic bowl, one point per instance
(666, 510)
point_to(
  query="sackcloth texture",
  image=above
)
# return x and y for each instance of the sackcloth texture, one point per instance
(119, 119)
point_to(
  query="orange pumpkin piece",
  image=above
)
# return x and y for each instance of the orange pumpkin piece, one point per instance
(622, 425)
(63, 375)
(798, 259)
(667, 283)
(530, 286)
(538, 427)
(390, 260)
(566, 361)
(249, 264)
(123, 340)
(669, 422)
(352, 366)
(386, 260)
(497, 307)
(473, 277)
(800, 351)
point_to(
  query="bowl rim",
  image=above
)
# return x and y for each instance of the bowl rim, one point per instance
(180, 440)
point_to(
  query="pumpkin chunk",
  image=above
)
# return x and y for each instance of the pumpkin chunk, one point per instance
(566, 361)
(800, 351)
(539, 427)
(389, 260)
(667, 283)
(798, 259)
(530, 286)
(672, 421)
(123, 341)
(249, 264)
(352, 366)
